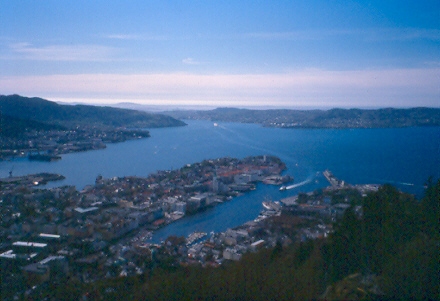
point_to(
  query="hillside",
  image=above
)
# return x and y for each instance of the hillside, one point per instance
(29, 125)
(14, 127)
(38, 109)
(334, 118)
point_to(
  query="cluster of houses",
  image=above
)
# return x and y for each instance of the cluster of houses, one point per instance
(64, 141)
(92, 224)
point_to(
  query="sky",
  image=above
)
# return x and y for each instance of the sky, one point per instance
(314, 53)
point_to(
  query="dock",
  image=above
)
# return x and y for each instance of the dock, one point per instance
(335, 182)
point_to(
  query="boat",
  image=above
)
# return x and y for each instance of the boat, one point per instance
(282, 188)
(215, 124)
(267, 205)
(43, 157)
(272, 206)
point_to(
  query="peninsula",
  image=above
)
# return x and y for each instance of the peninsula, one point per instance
(29, 126)
(70, 229)
(97, 239)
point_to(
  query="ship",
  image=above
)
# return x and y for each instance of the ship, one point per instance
(272, 206)
(43, 157)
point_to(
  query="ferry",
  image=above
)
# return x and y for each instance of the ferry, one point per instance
(272, 206)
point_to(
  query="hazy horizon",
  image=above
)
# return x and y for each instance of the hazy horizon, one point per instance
(240, 53)
(165, 107)
(157, 108)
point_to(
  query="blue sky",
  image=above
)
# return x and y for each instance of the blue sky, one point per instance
(223, 53)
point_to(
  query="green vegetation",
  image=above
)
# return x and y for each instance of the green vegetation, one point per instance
(396, 238)
(334, 118)
(391, 248)
(14, 127)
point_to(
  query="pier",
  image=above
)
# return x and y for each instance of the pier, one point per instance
(335, 182)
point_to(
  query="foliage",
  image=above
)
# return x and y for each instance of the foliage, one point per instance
(396, 238)
(14, 127)
(259, 276)
(412, 273)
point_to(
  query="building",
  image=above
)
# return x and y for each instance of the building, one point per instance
(231, 254)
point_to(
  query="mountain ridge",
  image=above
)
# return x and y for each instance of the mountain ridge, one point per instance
(333, 118)
(42, 110)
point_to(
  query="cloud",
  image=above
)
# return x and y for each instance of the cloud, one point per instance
(299, 35)
(367, 34)
(400, 34)
(190, 61)
(62, 52)
(123, 36)
(410, 34)
(314, 87)
(137, 37)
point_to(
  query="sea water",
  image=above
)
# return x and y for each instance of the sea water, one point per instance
(404, 157)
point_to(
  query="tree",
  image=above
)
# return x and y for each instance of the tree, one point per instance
(430, 209)
(343, 254)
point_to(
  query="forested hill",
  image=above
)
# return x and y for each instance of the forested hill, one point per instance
(44, 111)
(13, 127)
(334, 118)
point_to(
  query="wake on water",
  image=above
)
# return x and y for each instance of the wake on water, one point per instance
(246, 142)
(395, 182)
(308, 180)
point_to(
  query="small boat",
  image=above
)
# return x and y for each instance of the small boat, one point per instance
(267, 205)
(282, 188)
(215, 124)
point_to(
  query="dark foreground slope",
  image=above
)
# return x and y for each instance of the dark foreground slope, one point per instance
(334, 118)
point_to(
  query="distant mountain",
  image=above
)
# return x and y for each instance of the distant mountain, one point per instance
(41, 110)
(159, 108)
(334, 118)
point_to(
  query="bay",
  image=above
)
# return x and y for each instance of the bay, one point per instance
(404, 157)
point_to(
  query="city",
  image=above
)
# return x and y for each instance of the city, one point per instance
(104, 230)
